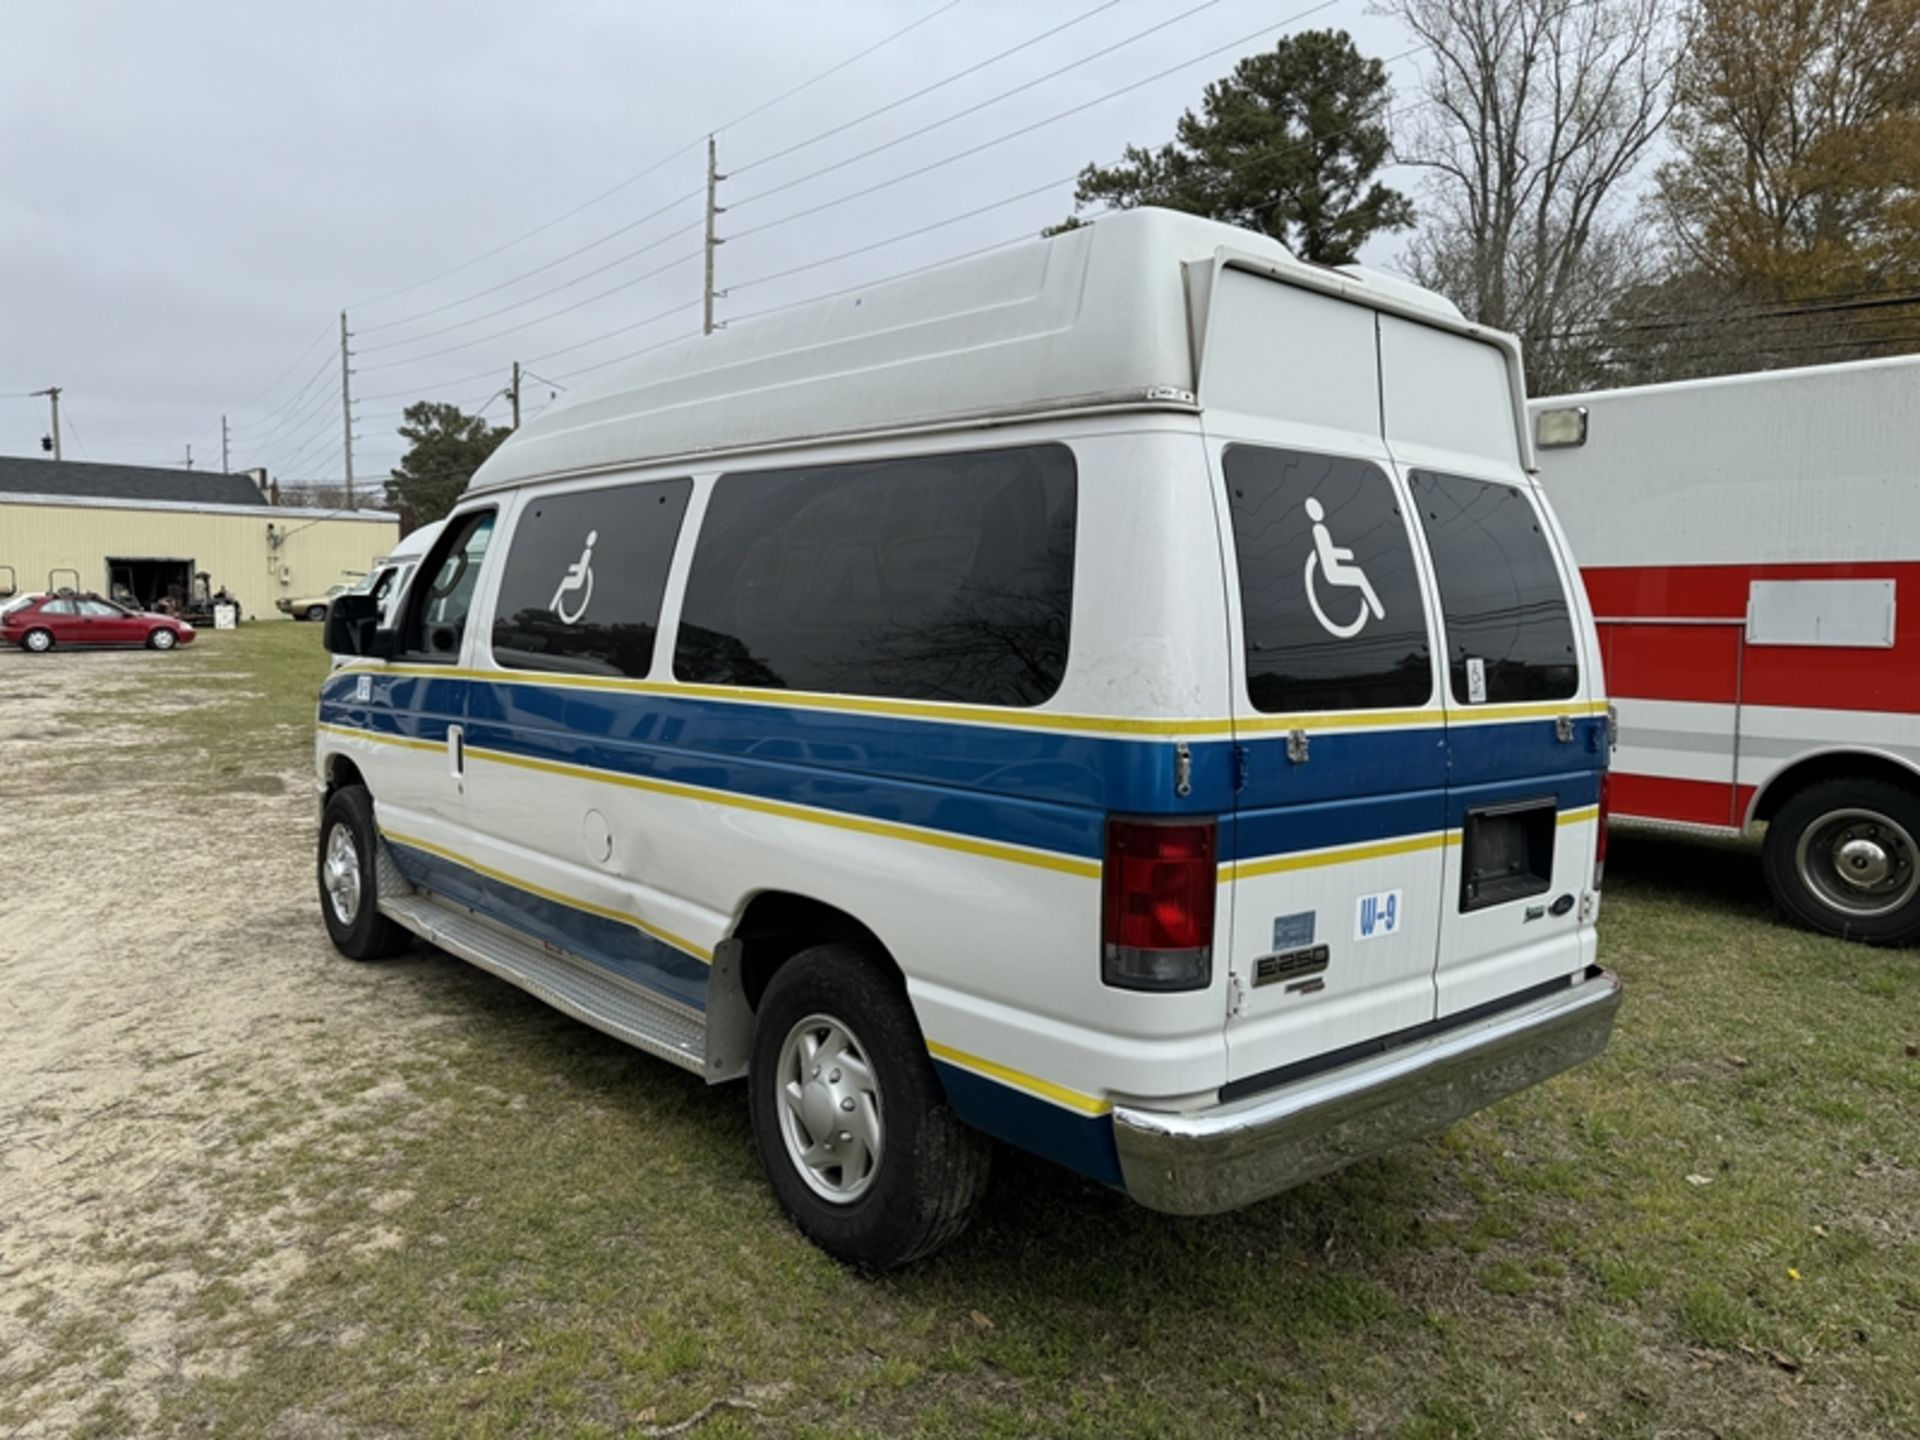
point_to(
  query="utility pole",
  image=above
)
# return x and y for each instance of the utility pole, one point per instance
(189, 457)
(52, 392)
(225, 468)
(714, 242)
(514, 391)
(346, 407)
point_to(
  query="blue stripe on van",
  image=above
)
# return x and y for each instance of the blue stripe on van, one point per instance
(1080, 1142)
(1039, 789)
(628, 952)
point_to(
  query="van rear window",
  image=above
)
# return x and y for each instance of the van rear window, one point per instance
(931, 577)
(1509, 627)
(1329, 599)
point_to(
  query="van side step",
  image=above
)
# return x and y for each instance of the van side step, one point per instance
(642, 1018)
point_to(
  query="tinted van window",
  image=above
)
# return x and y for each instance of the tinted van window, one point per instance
(945, 577)
(437, 618)
(1509, 628)
(583, 579)
(1329, 597)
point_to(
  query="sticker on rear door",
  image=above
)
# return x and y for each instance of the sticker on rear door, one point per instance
(1377, 915)
(1476, 681)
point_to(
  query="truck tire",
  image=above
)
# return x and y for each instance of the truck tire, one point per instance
(349, 879)
(1843, 857)
(850, 1120)
(316, 612)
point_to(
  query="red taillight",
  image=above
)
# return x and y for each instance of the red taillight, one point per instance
(1600, 839)
(1158, 916)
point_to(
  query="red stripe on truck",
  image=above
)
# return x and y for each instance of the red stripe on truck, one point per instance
(1650, 653)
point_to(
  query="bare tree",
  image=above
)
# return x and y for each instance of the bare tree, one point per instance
(313, 494)
(1536, 115)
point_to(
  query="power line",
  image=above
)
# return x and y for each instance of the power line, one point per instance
(975, 108)
(903, 235)
(267, 421)
(693, 144)
(695, 194)
(541, 319)
(1025, 236)
(289, 370)
(1035, 125)
(538, 269)
(892, 105)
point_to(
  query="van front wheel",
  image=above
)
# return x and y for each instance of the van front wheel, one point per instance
(349, 879)
(1843, 857)
(852, 1127)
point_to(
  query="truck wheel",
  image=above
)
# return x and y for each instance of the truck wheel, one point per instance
(349, 887)
(1843, 857)
(161, 639)
(851, 1123)
(38, 641)
(316, 612)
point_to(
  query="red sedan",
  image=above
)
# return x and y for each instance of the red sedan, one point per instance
(40, 622)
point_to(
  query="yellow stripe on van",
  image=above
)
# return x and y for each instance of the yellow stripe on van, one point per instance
(572, 902)
(1033, 1084)
(886, 829)
(1345, 854)
(405, 742)
(993, 715)
(1580, 815)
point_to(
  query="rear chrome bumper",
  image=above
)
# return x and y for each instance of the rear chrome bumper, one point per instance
(1206, 1161)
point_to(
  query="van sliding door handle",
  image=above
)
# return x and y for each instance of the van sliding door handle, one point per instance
(456, 751)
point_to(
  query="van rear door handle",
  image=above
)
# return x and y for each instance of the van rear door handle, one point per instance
(456, 751)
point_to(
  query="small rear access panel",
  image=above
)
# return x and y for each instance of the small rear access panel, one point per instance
(589, 993)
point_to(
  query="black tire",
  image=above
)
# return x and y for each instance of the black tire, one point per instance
(1842, 894)
(37, 641)
(161, 639)
(362, 933)
(316, 612)
(932, 1170)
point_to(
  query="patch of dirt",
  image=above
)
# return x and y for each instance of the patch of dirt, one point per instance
(176, 1029)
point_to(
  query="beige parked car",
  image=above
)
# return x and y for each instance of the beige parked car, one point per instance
(312, 607)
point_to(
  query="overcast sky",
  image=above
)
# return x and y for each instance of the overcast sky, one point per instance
(191, 192)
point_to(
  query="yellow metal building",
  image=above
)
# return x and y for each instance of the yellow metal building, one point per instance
(132, 529)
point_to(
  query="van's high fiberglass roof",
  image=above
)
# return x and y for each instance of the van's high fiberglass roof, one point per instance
(1095, 317)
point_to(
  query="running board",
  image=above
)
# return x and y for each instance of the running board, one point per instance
(641, 1017)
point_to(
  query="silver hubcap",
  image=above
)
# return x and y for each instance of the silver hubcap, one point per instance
(341, 874)
(39, 640)
(830, 1112)
(1859, 862)
(163, 640)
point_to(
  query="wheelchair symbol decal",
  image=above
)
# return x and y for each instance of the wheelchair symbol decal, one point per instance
(580, 579)
(1335, 567)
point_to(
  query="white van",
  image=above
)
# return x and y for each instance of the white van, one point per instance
(1124, 695)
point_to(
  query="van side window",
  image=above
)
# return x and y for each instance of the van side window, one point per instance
(1500, 592)
(932, 577)
(437, 616)
(1329, 598)
(584, 576)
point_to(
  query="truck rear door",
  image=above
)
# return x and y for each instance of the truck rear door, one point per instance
(1526, 728)
(1335, 849)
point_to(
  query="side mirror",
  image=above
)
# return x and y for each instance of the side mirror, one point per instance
(353, 628)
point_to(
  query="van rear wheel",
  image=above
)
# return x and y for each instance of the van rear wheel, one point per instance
(1843, 857)
(349, 879)
(849, 1117)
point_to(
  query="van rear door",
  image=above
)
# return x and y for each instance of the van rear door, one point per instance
(1334, 850)
(1526, 732)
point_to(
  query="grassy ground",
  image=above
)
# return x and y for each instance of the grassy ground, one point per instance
(1715, 1230)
